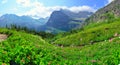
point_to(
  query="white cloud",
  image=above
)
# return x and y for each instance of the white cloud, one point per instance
(109, 1)
(39, 10)
(4, 1)
(81, 8)
(25, 3)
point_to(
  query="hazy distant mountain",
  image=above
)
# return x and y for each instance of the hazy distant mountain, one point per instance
(65, 20)
(59, 21)
(22, 21)
(43, 20)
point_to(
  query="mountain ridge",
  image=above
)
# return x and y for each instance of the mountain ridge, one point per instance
(111, 10)
(66, 20)
(59, 21)
(22, 21)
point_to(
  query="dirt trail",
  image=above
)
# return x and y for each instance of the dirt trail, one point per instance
(3, 37)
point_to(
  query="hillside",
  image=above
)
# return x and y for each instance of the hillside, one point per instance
(98, 41)
(91, 34)
(97, 44)
(27, 49)
(106, 13)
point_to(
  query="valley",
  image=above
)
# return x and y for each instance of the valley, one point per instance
(66, 38)
(38, 51)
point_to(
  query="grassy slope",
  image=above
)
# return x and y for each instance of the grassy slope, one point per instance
(24, 48)
(91, 34)
(101, 52)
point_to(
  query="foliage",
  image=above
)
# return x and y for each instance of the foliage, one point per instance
(95, 44)
(44, 35)
(26, 49)
(91, 34)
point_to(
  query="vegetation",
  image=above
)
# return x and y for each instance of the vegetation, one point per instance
(96, 33)
(95, 44)
(44, 35)
(27, 49)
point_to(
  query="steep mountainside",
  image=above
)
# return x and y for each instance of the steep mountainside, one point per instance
(108, 12)
(59, 20)
(66, 20)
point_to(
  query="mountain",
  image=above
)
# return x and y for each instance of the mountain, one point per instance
(59, 21)
(65, 20)
(110, 11)
(43, 20)
(103, 25)
(97, 43)
(22, 21)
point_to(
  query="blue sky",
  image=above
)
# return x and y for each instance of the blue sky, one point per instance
(43, 8)
(92, 3)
